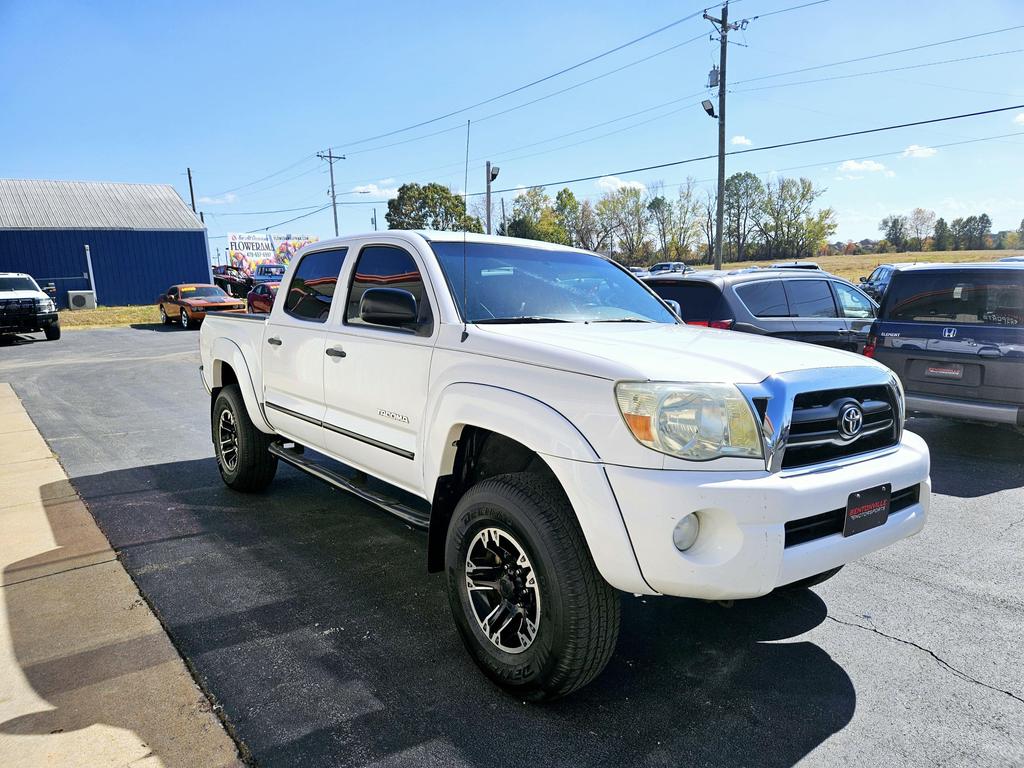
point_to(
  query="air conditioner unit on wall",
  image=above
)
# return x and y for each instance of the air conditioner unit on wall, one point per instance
(82, 299)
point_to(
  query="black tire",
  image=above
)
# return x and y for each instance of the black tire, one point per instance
(52, 332)
(577, 611)
(248, 466)
(811, 581)
(184, 320)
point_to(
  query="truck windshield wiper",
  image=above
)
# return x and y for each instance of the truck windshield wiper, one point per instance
(624, 320)
(523, 319)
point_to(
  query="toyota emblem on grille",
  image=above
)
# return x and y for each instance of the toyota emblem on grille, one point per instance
(851, 420)
(949, 333)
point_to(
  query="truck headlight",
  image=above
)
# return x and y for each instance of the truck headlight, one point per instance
(698, 422)
(45, 305)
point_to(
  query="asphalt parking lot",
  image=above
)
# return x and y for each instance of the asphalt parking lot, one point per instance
(308, 618)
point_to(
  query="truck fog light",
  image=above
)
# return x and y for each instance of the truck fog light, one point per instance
(685, 532)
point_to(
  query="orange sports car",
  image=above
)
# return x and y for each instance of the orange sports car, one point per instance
(188, 303)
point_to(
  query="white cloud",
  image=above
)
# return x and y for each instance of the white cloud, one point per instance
(861, 165)
(377, 190)
(1019, 119)
(227, 199)
(741, 140)
(614, 184)
(916, 150)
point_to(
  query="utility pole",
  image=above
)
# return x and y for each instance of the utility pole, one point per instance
(330, 158)
(191, 193)
(374, 219)
(723, 26)
(492, 174)
(504, 226)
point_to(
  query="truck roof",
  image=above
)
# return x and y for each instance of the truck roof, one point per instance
(961, 266)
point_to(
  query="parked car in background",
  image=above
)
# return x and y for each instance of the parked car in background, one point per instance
(232, 280)
(25, 308)
(875, 284)
(261, 298)
(665, 267)
(188, 304)
(797, 304)
(795, 265)
(267, 273)
(638, 271)
(954, 334)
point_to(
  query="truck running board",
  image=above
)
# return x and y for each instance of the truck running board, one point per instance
(291, 453)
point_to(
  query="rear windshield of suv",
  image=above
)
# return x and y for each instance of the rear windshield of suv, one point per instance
(968, 297)
(697, 300)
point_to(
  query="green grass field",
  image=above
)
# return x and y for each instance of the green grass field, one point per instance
(854, 267)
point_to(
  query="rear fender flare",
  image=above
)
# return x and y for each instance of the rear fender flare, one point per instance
(226, 353)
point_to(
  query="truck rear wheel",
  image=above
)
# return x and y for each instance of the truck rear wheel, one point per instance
(243, 454)
(531, 607)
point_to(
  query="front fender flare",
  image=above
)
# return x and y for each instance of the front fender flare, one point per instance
(567, 452)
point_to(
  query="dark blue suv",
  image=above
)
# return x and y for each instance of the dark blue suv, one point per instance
(954, 334)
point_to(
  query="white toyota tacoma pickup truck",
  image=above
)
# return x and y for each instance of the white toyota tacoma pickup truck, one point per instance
(568, 436)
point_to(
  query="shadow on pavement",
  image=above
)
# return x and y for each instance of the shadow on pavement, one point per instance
(308, 615)
(158, 327)
(989, 455)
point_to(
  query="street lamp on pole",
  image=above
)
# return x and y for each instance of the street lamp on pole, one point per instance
(492, 174)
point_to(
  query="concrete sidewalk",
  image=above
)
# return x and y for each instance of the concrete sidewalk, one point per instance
(87, 674)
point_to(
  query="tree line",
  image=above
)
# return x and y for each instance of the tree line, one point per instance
(922, 231)
(638, 225)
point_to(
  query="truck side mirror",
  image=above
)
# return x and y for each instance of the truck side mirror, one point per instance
(863, 279)
(675, 307)
(388, 306)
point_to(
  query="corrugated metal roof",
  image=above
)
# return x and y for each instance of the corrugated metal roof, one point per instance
(37, 204)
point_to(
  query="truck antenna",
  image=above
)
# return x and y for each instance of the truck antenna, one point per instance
(465, 218)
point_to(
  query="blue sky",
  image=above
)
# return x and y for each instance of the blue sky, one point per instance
(138, 91)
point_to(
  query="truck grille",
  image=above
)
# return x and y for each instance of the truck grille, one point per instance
(10, 308)
(829, 523)
(815, 432)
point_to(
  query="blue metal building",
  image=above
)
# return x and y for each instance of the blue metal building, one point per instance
(142, 238)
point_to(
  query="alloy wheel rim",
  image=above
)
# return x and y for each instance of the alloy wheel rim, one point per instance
(227, 440)
(502, 589)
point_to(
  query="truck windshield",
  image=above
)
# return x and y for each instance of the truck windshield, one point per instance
(17, 284)
(515, 283)
(970, 297)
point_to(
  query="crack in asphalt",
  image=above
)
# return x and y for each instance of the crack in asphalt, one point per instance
(962, 675)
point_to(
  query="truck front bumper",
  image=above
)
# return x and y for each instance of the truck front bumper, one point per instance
(741, 549)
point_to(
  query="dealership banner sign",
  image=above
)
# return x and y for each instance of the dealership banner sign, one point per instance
(248, 250)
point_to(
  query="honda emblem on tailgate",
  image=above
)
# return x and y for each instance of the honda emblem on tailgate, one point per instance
(948, 333)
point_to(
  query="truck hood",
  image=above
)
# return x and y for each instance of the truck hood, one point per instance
(658, 352)
(22, 295)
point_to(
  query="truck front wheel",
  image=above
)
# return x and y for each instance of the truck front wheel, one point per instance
(243, 454)
(52, 332)
(531, 607)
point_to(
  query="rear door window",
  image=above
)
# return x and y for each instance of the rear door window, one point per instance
(697, 300)
(311, 290)
(853, 303)
(810, 298)
(764, 298)
(965, 297)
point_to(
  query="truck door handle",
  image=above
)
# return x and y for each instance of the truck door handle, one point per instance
(336, 352)
(989, 352)
(274, 340)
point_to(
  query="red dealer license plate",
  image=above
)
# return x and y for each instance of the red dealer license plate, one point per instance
(867, 509)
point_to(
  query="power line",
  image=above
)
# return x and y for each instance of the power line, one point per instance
(786, 10)
(799, 142)
(268, 176)
(879, 55)
(880, 71)
(264, 213)
(538, 81)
